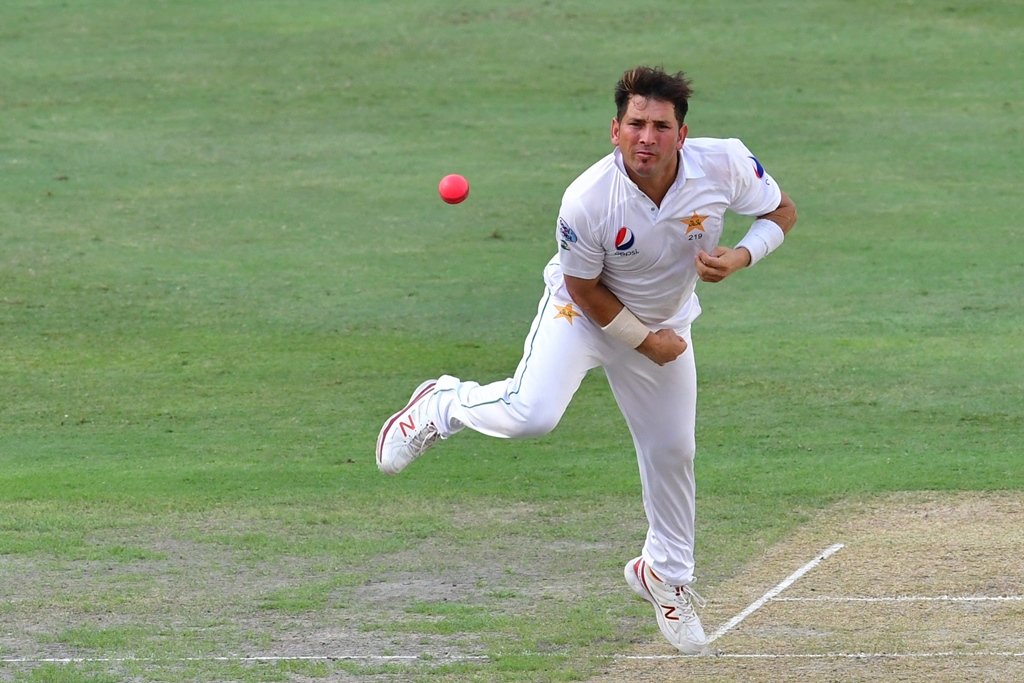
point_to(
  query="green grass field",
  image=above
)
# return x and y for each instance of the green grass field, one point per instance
(224, 263)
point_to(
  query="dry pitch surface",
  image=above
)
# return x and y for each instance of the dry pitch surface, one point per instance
(926, 587)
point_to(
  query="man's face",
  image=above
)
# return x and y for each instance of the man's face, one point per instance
(649, 137)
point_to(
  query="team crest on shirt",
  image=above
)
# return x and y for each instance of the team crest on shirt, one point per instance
(694, 223)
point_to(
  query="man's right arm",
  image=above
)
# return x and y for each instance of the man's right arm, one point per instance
(603, 307)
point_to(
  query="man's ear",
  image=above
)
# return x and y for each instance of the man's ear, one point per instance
(682, 136)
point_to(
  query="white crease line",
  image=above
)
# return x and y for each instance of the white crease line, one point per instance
(827, 655)
(872, 655)
(786, 583)
(482, 658)
(908, 598)
(242, 658)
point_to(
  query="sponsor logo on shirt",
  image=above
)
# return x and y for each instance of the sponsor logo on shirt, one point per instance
(759, 171)
(624, 239)
(567, 233)
(758, 168)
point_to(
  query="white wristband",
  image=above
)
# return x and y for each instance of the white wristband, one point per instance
(763, 238)
(627, 328)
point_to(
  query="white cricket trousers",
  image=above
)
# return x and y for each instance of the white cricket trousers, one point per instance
(658, 402)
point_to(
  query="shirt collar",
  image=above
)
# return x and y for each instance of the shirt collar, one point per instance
(688, 162)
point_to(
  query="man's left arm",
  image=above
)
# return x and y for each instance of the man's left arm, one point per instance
(765, 235)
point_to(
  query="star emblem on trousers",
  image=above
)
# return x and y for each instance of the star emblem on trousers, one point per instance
(567, 312)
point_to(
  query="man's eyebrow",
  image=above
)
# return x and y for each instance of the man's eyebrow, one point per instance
(637, 118)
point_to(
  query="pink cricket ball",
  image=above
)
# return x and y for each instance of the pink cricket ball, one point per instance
(453, 188)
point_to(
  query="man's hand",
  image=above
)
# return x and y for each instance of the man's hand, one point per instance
(663, 346)
(721, 263)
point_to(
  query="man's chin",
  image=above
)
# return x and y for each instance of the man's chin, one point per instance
(644, 169)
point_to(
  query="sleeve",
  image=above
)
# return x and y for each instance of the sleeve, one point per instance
(580, 252)
(754, 192)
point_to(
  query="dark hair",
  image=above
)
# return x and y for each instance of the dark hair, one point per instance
(653, 83)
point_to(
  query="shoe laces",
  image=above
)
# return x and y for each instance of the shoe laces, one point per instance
(424, 438)
(687, 598)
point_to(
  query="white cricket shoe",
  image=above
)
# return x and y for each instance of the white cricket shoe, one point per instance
(673, 605)
(407, 434)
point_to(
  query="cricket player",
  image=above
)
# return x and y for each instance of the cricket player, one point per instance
(634, 233)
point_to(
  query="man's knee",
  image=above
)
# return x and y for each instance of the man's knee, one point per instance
(534, 419)
(670, 449)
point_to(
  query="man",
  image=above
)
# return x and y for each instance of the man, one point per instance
(635, 232)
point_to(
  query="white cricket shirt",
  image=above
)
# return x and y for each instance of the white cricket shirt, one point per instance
(646, 254)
